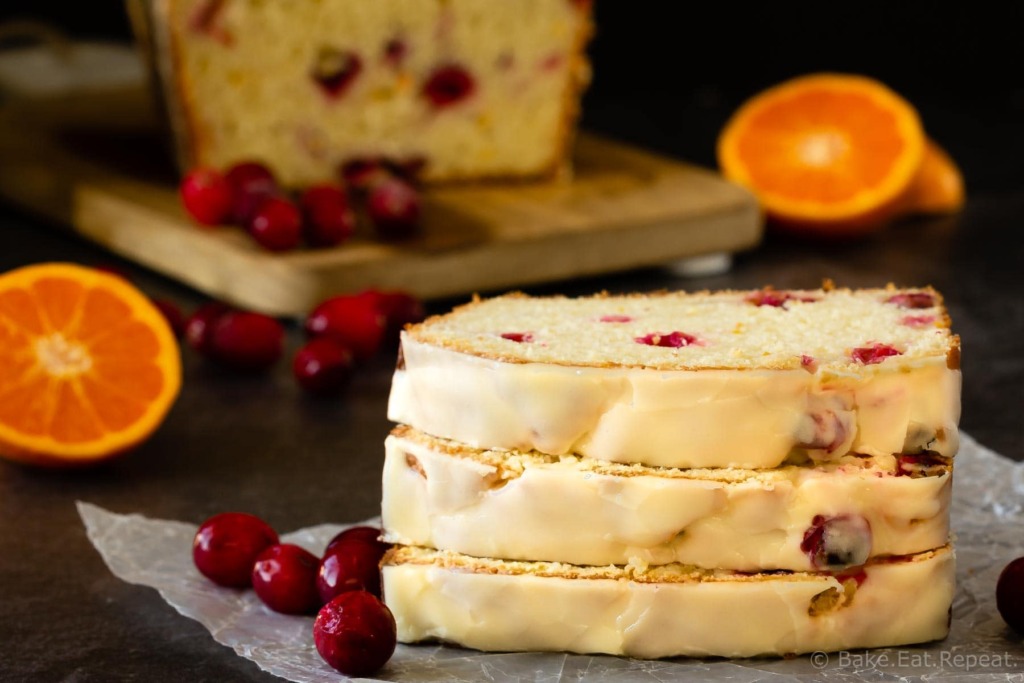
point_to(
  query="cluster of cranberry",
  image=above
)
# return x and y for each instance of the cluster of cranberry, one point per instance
(354, 631)
(248, 195)
(343, 331)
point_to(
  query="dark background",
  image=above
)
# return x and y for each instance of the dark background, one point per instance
(669, 73)
(667, 76)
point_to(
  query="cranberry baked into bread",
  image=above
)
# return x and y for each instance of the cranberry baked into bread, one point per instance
(728, 379)
(455, 89)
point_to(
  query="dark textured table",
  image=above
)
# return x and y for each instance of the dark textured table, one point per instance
(255, 443)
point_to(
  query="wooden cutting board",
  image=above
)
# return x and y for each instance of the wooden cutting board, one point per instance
(96, 163)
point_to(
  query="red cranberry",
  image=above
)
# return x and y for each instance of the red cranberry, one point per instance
(917, 463)
(448, 85)
(837, 543)
(362, 534)
(206, 195)
(672, 340)
(912, 300)
(399, 309)
(873, 353)
(552, 62)
(355, 633)
(770, 297)
(395, 51)
(323, 367)
(615, 319)
(276, 225)
(247, 340)
(363, 173)
(329, 219)
(518, 337)
(284, 578)
(351, 320)
(351, 565)
(829, 432)
(808, 363)
(227, 545)
(251, 182)
(335, 70)
(1010, 595)
(206, 19)
(917, 321)
(172, 314)
(394, 208)
(199, 326)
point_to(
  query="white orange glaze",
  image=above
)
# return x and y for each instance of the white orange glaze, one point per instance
(444, 495)
(502, 606)
(678, 418)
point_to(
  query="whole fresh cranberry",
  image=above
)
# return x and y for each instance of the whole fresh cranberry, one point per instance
(355, 633)
(227, 545)
(199, 326)
(352, 321)
(276, 225)
(172, 314)
(329, 220)
(1010, 595)
(284, 578)
(364, 534)
(251, 182)
(399, 309)
(394, 209)
(206, 195)
(448, 85)
(323, 367)
(837, 543)
(352, 564)
(246, 340)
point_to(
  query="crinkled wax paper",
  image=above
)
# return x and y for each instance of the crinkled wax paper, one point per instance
(988, 518)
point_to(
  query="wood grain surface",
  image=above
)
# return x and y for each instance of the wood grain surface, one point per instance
(98, 164)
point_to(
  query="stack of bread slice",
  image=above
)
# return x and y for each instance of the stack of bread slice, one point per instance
(715, 474)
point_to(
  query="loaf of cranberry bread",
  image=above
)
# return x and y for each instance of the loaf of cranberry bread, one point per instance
(750, 379)
(455, 89)
(530, 506)
(652, 612)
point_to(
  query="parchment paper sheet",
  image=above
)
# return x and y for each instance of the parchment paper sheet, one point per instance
(988, 519)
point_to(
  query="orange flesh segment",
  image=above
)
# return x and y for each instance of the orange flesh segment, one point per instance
(58, 301)
(19, 308)
(73, 419)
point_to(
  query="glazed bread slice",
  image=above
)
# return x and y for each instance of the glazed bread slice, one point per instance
(458, 89)
(666, 611)
(728, 379)
(530, 506)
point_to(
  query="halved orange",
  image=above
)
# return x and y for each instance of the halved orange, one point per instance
(88, 366)
(829, 153)
(938, 186)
